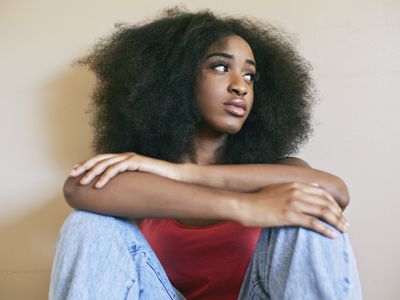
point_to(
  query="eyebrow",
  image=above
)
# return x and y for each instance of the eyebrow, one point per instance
(223, 54)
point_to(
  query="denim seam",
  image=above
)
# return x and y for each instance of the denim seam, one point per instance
(170, 293)
(347, 282)
(129, 288)
(253, 289)
(148, 261)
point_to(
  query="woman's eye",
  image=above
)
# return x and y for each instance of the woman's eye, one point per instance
(250, 76)
(220, 67)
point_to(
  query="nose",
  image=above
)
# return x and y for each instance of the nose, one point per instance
(237, 85)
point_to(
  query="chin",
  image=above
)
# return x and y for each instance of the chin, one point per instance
(231, 128)
(226, 125)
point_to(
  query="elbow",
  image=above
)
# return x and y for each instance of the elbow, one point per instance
(71, 192)
(344, 194)
(293, 161)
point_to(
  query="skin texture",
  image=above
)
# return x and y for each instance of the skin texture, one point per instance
(271, 200)
(227, 73)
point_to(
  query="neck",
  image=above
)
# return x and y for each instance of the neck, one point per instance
(206, 144)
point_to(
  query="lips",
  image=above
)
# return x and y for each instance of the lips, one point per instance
(236, 107)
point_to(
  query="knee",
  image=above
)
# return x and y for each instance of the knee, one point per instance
(314, 235)
(315, 242)
(85, 226)
(307, 238)
(82, 221)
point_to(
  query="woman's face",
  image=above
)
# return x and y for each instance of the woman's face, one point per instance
(224, 89)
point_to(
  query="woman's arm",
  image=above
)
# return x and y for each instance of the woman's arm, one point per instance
(136, 195)
(236, 178)
(143, 195)
(253, 177)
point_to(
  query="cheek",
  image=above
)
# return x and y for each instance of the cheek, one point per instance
(208, 94)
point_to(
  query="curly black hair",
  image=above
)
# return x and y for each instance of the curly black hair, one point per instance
(144, 99)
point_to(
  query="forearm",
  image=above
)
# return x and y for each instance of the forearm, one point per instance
(143, 195)
(252, 177)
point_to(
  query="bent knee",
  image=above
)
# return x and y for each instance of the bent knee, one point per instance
(307, 236)
(317, 240)
(89, 225)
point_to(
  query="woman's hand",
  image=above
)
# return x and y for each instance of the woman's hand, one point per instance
(109, 165)
(293, 204)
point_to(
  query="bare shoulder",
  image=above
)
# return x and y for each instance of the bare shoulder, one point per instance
(293, 161)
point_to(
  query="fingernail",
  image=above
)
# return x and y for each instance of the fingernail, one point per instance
(332, 234)
(100, 184)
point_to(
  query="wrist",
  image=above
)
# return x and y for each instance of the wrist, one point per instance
(160, 167)
(238, 207)
(188, 173)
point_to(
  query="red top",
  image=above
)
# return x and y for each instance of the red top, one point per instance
(203, 262)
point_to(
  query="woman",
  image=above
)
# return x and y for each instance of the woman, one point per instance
(204, 112)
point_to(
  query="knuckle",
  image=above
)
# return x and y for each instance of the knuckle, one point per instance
(290, 202)
(294, 193)
(324, 210)
(120, 166)
(288, 214)
(294, 190)
(337, 223)
(112, 171)
(326, 194)
(329, 198)
(336, 209)
(314, 223)
(97, 170)
(108, 172)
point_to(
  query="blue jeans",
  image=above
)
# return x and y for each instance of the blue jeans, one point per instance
(104, 257)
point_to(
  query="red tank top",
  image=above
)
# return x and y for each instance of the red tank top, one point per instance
(204, 263)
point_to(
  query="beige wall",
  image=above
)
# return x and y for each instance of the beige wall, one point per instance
(354, 47)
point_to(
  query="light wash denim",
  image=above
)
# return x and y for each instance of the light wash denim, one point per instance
(102, 257)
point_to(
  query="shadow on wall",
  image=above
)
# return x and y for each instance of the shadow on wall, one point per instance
(66, 105)
(28, 243)
(27, 250)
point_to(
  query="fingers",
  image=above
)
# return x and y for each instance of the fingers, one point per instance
(314, 224)
(324, 212)
(113, 170)
(100, 168)
(320, 200)
(81, 167)
(107, 164)
(311, 204)
(316, 189)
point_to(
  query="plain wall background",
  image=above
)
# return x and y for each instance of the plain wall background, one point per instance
(354, 47)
